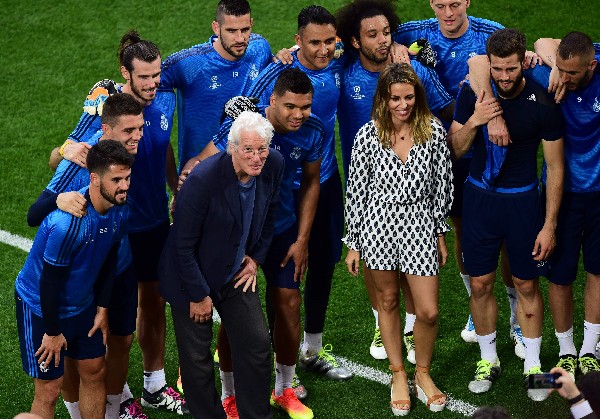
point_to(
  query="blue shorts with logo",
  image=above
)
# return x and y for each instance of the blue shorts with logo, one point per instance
(75, 329)
(578, 228)
(491, 218)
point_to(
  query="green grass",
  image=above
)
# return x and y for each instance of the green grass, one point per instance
(53, 52)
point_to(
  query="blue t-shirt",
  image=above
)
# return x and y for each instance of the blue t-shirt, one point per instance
(247, 192)
(148, 186)
(70, 177)
(581, 111)
(297, 148)
(356, 100)
(531, 117)
(80, 243)
(452, 53)
(205, 81)
(326, 84)
(147, 191)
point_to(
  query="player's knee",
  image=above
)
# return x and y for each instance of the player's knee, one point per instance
(527, 289)
(92, 371)
(480, 287)
(290, 303)
(427, 315)
(47, 392)
(388, 301)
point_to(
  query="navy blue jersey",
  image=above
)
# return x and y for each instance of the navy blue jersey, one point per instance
(356, 100)
(204, 82)
(147, 192)
(297, 148)
(531, 117)
(581, 111)
(452, 53)
(326, 84)
(80, 243)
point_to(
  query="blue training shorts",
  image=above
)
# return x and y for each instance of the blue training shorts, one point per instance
(122, 311)
(276, 275)
(75, 330)
(578, 228)
(490, 218)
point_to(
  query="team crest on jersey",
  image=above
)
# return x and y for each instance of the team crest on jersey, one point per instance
(596, 105)
(472, 54)
(296, 153)
(357, 95)
(253, 72)
(337, 80)
(214, 83)
(164, 122)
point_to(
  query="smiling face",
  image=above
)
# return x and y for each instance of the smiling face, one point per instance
(114, 184)
(507, 75)
(128, 131)
(250, 155)
(375, 40)
(451, 16)
(288, 112)
(317, 45)
(234, 35)
(402, 102)
(143, 80)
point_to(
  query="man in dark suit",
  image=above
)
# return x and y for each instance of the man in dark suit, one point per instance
(222, 229)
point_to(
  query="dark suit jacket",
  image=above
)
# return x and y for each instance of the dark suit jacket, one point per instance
(199, 253)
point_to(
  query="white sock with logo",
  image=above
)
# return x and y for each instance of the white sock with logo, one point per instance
(487, 347)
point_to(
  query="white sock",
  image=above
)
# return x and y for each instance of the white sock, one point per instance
(127, 394)
(565, 342)
(227, 384)
(284, 374)
(591, 333)
(73, 409)
(467, 280)
(313, 343)
(409, 322)
(487, 347)
(532, 353)
(376, 314)
(113, 405)
(154, 380)
(511, 292)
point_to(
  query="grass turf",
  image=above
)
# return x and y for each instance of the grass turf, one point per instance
(53, 52)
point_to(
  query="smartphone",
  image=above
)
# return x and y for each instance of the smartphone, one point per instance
(545, 380)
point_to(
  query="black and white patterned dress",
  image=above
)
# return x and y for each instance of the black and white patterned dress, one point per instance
(395, 211)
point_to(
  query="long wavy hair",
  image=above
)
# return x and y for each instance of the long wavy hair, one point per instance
(420, 117)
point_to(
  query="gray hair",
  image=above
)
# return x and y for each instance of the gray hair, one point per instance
(249, 121)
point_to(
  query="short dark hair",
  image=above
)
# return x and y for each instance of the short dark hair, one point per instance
(576, 44)
(232, 8)
(488, 412)
(132, 47)
(118, 105)
(105, 154)
(315, 14)
(293, 80)
(506, 42)
(350, 16)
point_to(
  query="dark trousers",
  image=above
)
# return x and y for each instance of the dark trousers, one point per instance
(241, 315)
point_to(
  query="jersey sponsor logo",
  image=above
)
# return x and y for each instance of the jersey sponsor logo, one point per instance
(596, 105)
(103, 230)
(214, 80)
(357, 95)
(253, 72)
(164, 122)
(296, 153)
(532, 97)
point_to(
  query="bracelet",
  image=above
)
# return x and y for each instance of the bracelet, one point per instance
(576, 399)
(61, 150)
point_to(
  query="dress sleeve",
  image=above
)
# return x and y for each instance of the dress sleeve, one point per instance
(357, 189)
(442, 189)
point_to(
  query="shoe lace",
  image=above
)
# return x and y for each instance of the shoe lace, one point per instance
(325, 354)
(484, 369)
(589, 363)
(518, 334)
(135, 411)
(410, 341)
(290, 400)
(568, 363)
(174, 395)
(377, 341)
(296, 381)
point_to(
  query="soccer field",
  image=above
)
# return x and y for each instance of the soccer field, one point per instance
(53, 52)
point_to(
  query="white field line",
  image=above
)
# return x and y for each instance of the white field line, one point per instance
(359, 370)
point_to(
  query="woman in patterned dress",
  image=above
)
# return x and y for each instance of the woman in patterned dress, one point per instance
(399, 192)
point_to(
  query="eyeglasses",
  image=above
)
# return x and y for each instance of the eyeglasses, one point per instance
(250, 152)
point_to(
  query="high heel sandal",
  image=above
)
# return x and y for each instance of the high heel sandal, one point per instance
(423, 397)
(393, 403)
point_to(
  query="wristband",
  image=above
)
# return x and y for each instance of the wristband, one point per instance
(576, 399)
(61, 150)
